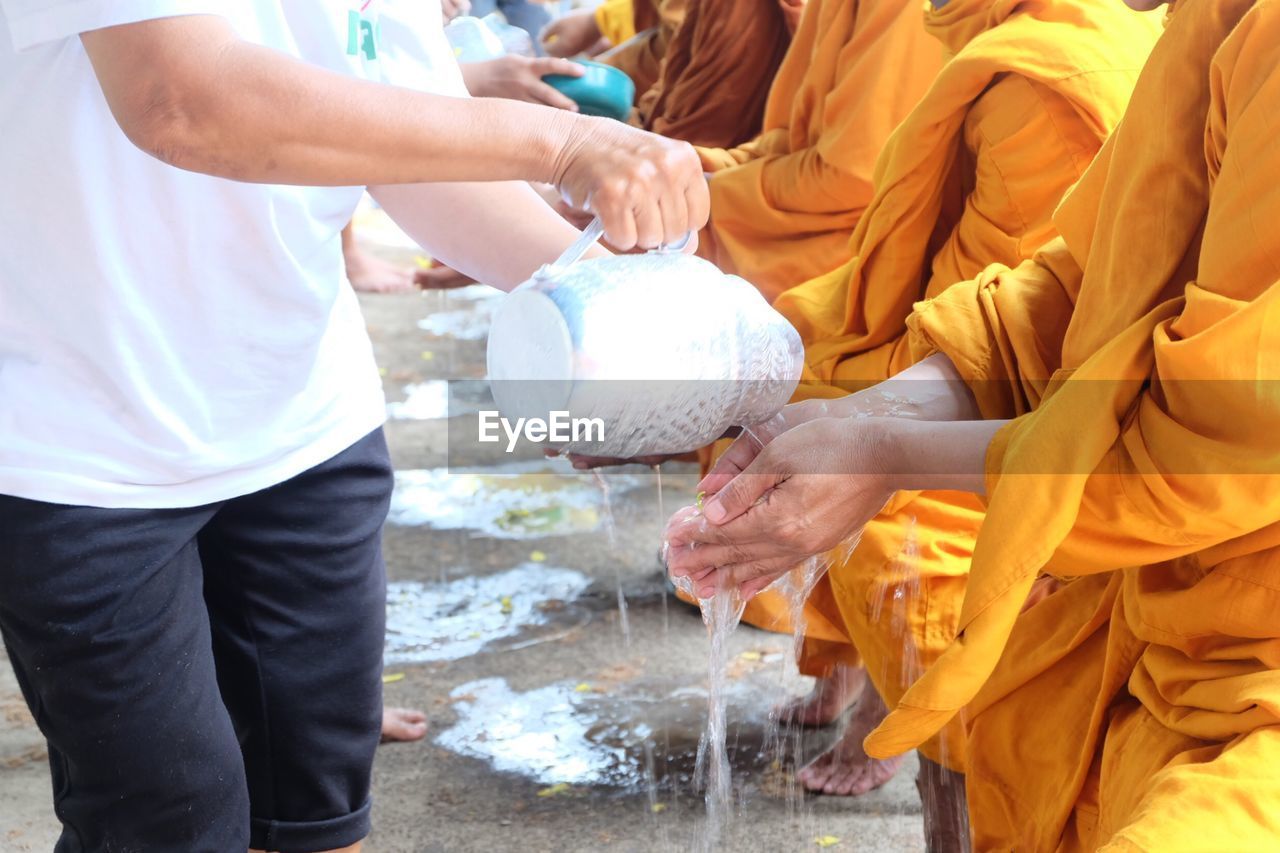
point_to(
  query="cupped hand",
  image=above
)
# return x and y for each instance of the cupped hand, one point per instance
(806, 491)
(571, 34)
(646, 189)
(747, 446)
(519, 78)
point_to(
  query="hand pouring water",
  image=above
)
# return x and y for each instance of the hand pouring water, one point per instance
(663, 348)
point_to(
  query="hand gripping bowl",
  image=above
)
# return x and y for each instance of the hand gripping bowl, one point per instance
(666, 351)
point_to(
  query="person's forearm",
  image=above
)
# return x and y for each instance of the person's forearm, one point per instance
(933, 455)
(930, 390)
(234, 109)
(459, 224)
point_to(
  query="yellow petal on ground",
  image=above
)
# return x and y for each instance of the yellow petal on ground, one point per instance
(827, 840)
(582, 688)
(507, 605)
(557, 788)
(658, 807)
(392, 677)
(427, 355)
(538, 556)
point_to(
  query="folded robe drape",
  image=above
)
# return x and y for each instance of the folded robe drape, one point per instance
(1137, 707)
(974, 172)
(784, 205)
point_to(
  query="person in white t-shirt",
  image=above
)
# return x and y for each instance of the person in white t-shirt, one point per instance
(193, 477)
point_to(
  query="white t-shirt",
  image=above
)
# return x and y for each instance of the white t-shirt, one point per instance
(168, 338)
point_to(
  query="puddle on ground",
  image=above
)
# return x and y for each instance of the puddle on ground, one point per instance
(530, 604)
(440, 398)
(605, 735)
(526, 500)
(469, 320)
(423, 401)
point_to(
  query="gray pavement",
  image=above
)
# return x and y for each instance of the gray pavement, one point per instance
(559, 721)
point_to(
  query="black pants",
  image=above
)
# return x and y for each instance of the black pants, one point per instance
(208, 679)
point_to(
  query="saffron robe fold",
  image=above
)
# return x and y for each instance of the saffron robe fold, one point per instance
(974, 173)
(1138, 706)
(784, 204)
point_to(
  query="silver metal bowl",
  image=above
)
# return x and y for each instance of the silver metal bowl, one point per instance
(663, 349)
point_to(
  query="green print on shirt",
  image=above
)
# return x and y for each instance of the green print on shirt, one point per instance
(362, 36)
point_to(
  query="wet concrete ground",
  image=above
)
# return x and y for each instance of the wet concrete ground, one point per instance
(559, 722)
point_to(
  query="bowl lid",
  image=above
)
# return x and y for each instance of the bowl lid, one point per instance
(530, 356)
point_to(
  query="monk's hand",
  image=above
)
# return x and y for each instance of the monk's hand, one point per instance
(868, 403)
(571, 34)
(747, 446)
(519, 78)
(808, 490)
(646, 189)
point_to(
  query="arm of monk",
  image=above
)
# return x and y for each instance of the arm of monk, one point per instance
(1003, 331)
(1195, 462)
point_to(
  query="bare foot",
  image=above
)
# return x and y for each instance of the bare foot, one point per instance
(371, 274)
(402, 725)
(845, 770)
(828, 699)
(440, 277)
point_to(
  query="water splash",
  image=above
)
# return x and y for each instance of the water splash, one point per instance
(529, 604)
(599, 733)
(721, 614)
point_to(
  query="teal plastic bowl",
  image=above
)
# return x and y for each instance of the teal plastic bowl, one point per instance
(602, 91)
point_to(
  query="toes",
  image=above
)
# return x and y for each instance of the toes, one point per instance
(877, 773)
(815, 774)
(403, 724)
(842, 781)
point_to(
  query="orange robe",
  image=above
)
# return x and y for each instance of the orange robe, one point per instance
(784, 204)
(716, 72)
(1137, 707)
(972, 175)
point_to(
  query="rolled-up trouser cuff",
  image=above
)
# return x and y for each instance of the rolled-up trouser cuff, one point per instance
(311, 836)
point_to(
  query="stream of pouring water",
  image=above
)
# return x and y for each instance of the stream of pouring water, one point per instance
(662, 524)
(721, 614)
(607, 517)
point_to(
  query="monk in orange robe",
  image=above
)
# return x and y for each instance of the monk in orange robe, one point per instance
(716, 72)
(1116, 661)
(785, 203)
(702, 68)
(1031, 90)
